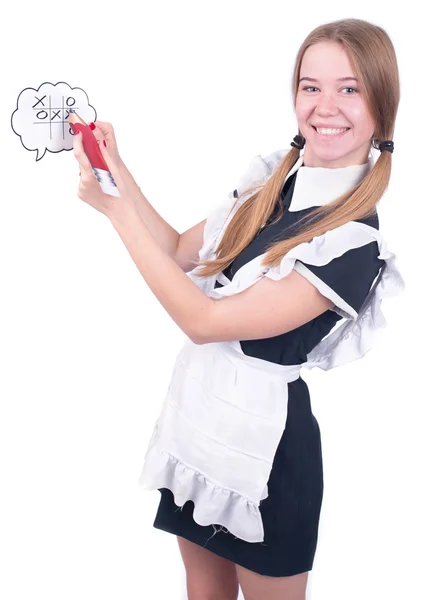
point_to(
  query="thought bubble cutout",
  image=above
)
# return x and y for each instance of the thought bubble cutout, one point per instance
(41, 116)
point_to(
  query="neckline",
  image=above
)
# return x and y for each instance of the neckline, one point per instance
(317, 186)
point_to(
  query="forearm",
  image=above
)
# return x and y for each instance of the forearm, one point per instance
(166, 236)
(187, 305)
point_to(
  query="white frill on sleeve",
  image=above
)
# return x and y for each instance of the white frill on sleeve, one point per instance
(258, 171)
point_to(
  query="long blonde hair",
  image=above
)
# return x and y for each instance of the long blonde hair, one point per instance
(373, 59)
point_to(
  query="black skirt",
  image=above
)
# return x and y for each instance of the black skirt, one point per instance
(290, 513)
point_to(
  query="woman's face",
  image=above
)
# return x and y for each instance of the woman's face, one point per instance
(327, 101)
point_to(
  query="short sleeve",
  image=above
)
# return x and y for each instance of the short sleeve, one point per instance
(352, 265)
(257, 172)
(346, 279)
(219, 215)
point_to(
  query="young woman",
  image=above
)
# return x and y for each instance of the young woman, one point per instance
(293, 252)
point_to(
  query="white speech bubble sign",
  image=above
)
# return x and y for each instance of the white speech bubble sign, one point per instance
(41, 116)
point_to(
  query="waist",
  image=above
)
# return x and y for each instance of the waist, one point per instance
(286, 373)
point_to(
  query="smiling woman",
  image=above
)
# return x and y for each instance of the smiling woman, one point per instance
(236, 451)
(290, 273)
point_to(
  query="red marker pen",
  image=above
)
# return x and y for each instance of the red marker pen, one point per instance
(92, 150)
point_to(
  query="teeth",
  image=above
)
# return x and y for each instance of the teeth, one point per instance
(330, 131)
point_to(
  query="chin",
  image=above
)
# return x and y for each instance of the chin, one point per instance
(315, 155)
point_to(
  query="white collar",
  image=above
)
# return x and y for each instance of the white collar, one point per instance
(317, 186)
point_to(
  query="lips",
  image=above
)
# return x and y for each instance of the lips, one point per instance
(329, 136)
(328, 127)
(331, 126)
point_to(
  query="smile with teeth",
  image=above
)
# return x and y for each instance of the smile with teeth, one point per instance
(330, 131)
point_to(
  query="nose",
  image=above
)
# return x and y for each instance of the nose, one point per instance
(326, 105)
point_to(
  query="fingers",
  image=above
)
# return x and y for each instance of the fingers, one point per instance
(105, 128)
(107, 131)
(97, 132)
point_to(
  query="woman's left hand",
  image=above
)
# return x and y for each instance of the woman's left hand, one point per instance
(89, 188)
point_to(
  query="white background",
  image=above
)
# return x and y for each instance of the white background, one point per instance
(194, 91)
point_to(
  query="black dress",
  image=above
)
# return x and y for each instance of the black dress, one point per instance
(291, 512)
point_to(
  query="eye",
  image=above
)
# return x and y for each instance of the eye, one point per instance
(345, 88)
(350, 88)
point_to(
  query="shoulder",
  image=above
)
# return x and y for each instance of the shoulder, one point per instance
(273, 159)
(257, 171)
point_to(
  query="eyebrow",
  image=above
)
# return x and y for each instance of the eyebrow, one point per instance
(339, 79)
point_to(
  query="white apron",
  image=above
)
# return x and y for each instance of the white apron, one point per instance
(224, 413)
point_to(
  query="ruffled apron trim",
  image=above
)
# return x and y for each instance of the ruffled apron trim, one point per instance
(216, 438)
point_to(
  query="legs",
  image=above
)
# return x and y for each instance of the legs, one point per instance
(211, 577)
(260, 587)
